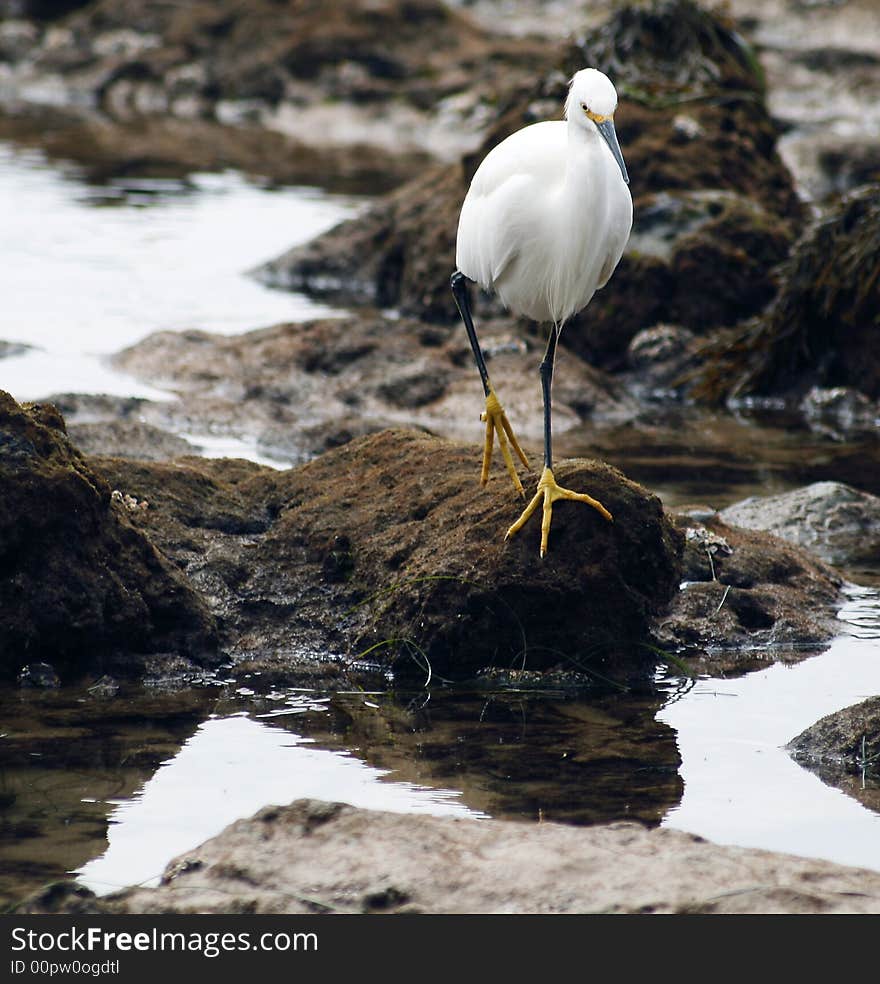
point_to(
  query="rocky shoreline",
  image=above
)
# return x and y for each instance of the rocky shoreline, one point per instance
(125, 556)
(386, 545)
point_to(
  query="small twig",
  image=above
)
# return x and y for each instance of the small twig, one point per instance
(720, 603)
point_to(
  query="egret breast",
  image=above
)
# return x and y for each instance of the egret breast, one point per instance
(544, 223)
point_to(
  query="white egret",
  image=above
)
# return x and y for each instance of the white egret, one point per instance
(544, 224)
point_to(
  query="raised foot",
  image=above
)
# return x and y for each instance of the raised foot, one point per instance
(549, 491)
(497, 422)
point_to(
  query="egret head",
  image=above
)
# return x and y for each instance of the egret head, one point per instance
(591, 102)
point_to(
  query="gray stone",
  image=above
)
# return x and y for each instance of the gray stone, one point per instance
(315, 857)
(838, 523)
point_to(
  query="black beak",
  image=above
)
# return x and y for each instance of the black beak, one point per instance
(610, 134)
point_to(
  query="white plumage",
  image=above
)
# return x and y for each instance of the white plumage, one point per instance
(544, 224)
(548, 213)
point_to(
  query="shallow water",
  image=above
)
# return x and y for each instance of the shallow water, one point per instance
(112, 787)
(87, 270)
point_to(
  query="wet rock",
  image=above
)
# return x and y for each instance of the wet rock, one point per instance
(41, 676)
(399, 253)
(317, 857)
(747, 590)
(656, 359)
(131, 439)
(411, 72)
(840, 412)
(696, 259)
(98, 423)
(40, 10)
(847, 165)
(171, 148)
(692, 111)
(388, 547)
(821, 330)
(80, 587)
(836, 522)
(837, 738)
(843, 749)
(715, 209)
(298, 390)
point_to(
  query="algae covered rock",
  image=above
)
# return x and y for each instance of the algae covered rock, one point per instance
(822, 329)
(436, 579)
(80, 587)
(744, 590)
(846, 738)
(388, 550)
(843, 750)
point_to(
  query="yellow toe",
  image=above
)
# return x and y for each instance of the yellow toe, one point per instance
(497, 423)
(550, 491)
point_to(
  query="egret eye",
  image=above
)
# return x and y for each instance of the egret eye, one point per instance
(584, 107)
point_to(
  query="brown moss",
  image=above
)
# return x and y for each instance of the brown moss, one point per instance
(80, 587)
(822, 329)
(389, 545)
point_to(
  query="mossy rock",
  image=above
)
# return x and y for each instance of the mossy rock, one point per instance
(822, 329)
(80, 587)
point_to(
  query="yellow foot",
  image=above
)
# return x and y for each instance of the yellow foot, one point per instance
(549, 491)
(497, 422)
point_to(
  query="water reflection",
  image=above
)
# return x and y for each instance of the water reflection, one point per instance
(526, 756)
(87, 271)
(740, 785)
(64, 757)
(229, 769)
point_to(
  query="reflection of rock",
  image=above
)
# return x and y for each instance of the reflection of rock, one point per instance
(843, 749)
(521, 753)
(64, 756)
(168, 147)
(838, 523)
(8, 349)
(822, 328)
(389, 542)
(81, 586)
(748, 589)
(840, 411)
(313, 857)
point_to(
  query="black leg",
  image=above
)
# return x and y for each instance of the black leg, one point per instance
(546, 382)
(460, 293)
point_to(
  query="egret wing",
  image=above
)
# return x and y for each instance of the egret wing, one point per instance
(492, 220)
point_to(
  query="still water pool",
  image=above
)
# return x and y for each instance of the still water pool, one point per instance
(88, 270)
